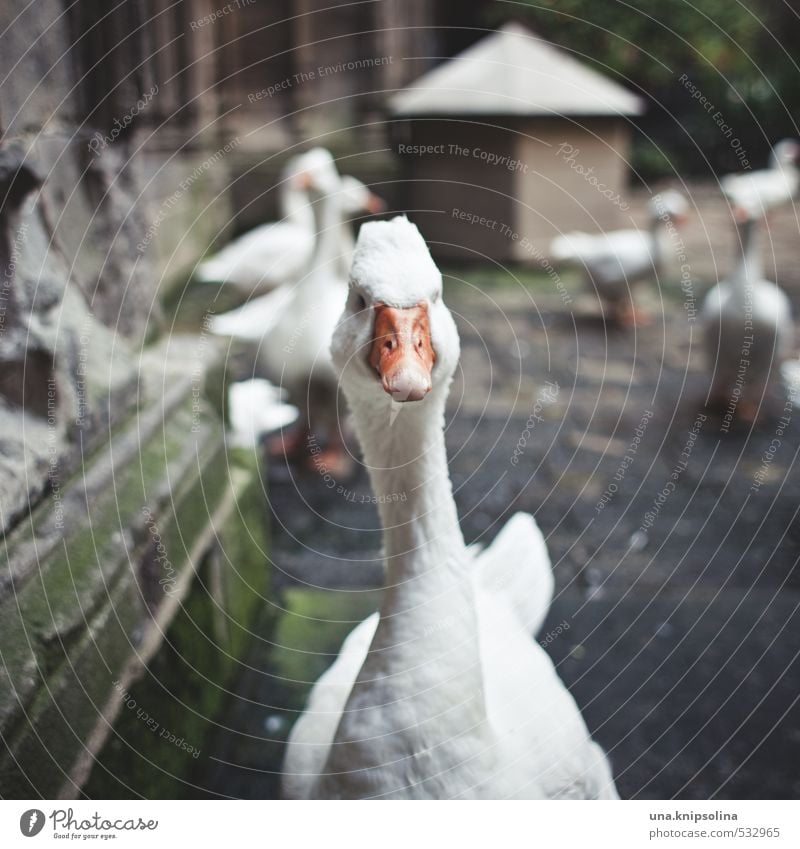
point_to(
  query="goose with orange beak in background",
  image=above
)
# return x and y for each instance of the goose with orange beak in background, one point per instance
(444, 693)
(755, 193)
(293, 325)
(278, 253)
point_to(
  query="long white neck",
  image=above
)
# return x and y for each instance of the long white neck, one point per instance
(325, 265)
(404, 451)
(660, 240)
(295, 206)
(327, 222)
(749, 269)
(347, 244)
(426, 651)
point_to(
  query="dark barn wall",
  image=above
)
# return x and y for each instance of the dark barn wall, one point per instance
(444, 175)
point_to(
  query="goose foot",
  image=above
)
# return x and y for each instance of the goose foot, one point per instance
(333, 461)
(290, 443)
(748, 411)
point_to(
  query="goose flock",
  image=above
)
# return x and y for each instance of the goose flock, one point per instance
(444, 693)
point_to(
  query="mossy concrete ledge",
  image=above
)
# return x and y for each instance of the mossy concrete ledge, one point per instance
(161, 524)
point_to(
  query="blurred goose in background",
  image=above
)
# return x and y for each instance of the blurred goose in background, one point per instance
(757, 192)
(256, 408)
(747, 326)
(442, 694)
(254, 319)
(278, 253)
(294, 325)
(613, 262)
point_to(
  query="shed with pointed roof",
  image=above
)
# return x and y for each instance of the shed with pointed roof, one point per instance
(510, 143)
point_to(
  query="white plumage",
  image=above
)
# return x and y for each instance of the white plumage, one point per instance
(444, 694)
(279, 253)
(256, 408)
(613, 262)
(747, 326)
(757, 192)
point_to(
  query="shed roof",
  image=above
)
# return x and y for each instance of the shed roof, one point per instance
(514, 72)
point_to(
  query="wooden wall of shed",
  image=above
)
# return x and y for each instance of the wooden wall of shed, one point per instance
(438, 186)
(580, 187)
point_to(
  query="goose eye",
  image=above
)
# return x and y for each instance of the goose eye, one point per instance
(359, 302)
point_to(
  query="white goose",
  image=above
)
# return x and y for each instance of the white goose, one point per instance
(443, 694)
(278, 253)
(295, 323)
(613, 262)
(747, 325)
(760, 191)
(254, 319)
(256, 408)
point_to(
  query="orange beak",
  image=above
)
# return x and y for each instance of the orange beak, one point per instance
(375, 204)
(401, 351)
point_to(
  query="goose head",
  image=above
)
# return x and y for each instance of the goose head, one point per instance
(669, 204)
(396, 340)
(314, 171)
(785, 154)
(356, 197)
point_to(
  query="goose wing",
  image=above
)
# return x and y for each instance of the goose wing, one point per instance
(265, 257)
(517, 567)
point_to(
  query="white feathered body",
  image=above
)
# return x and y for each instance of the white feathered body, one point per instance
(613, 261)
(760, 191)
(263, 258)
(445, 693)
(533, 744)
(297, 344)
(280, 253)
(255, 408)
(751, 323)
